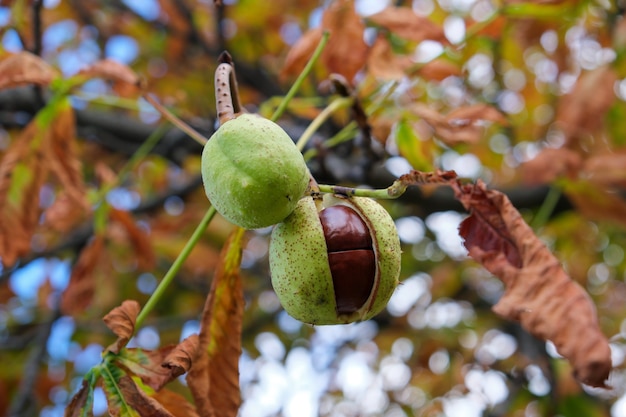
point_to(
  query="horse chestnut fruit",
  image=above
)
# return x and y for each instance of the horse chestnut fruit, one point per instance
(336, 260)
(253, 173)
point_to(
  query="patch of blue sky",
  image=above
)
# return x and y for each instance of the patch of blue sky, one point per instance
(58, 344)
(11, 41)
(121, 48)
(25, 282)
(148, 9)
(5, 16)
(58, 34)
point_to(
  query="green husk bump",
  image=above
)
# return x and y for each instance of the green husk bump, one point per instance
(253, 173)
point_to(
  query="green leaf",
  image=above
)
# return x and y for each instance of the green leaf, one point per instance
(118, 406)
(411, 147)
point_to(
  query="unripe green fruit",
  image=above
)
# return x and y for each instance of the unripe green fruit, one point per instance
(252, 171)
(335, 262)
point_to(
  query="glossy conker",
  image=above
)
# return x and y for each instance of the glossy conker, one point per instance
(336, 260)
(252, 171)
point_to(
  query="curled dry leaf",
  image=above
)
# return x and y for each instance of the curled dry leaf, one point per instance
(403, 22)
(538, 292)
(80, 290)
(125, 81)
(550, 164)
(121, 321)
(25, 68)
(180, 359)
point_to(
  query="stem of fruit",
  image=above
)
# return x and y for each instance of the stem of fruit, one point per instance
(395, 190)
(305, 72)
(174, 268)
(227, 100)
(335, 105)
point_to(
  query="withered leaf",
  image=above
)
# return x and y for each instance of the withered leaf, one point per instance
(582, 111)
(214, 377)
(462, 125)
(125, 81)
(139, 400)
(606, 169)
(550, 164)
(538, 292)
(25, 68)
(175, 403)
(146, 364)
(80, 290)
(23, 170)
(383, 63)
(64, 161)
(81, 404)
(300, 52)
(121, 321)
(138, 237)
(438, 70)
(403, 22)
(346, 52)
(180, 359)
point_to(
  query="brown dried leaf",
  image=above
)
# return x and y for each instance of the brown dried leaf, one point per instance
(467, 115)
(64, 214)
(346, 52)
(139, 400)
(80, 290)
(180, 359)
(65, 163)
(121, 321)
(175, 403)
(439, 70)
(214, 377)
(23, 170)
(300, 52)
(25, 68)
(550, 164)
(138, 238)
(403, 22)
(606, 169)
(76, 406)
(146, 364)
(383, 63)
(583, 111)
(462, 125)
(125, 81)
(538, 292)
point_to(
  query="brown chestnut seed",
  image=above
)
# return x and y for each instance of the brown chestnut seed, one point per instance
(336, 260)
(350, 257)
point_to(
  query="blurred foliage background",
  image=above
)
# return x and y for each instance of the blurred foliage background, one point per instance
(541, 90)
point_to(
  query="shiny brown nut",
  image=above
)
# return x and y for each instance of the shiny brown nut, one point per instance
(335, 261)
